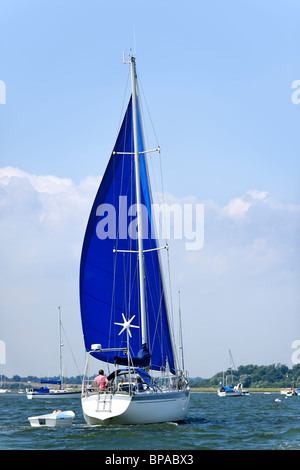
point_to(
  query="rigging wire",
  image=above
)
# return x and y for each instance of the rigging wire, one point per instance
(160, 222)
(71, 350)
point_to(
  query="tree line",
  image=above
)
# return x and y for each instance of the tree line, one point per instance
(17, 381)
(254, 376)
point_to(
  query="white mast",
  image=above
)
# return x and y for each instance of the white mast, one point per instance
(232, 365)
(180, 337)
(60, 346)
(138, 199)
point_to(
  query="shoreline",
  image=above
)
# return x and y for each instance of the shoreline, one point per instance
(250, 390)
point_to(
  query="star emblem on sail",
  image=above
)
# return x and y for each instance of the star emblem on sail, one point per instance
(126, 325)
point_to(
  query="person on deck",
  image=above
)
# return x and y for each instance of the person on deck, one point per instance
(138, 385)
(101, 381)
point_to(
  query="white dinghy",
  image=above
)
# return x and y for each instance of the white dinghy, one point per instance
(56, 419)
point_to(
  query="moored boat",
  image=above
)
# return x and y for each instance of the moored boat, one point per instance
(60, 392)
(234, 391)
(45, 392)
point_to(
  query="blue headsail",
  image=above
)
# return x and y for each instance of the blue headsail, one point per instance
(109, 276)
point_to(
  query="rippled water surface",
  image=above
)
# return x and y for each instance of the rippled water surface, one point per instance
(213, 423)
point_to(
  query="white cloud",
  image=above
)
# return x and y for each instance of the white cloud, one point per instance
(256, 194)
(42, 224)
(42, 184)
(238, 207)
(49, 199)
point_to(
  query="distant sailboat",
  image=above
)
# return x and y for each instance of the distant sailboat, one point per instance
(44, 391)
(233, 390)
(123, 306)
(2, 389)
(291, 392)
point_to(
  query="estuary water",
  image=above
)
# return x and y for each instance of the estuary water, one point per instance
(254, 422)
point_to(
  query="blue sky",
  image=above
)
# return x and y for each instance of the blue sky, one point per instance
(218, 82)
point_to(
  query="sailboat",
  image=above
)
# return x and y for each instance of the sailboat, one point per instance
(290, 392)
(123, 303)
(60, 392)
(2, 389)
(233, 390)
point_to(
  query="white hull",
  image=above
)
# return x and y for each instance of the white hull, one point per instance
(289, 393)
(55, 419)
(142, 408)
(53, 395)
(231, 394)
(236, 391)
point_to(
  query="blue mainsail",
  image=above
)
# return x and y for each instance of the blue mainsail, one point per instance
(109, 279)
